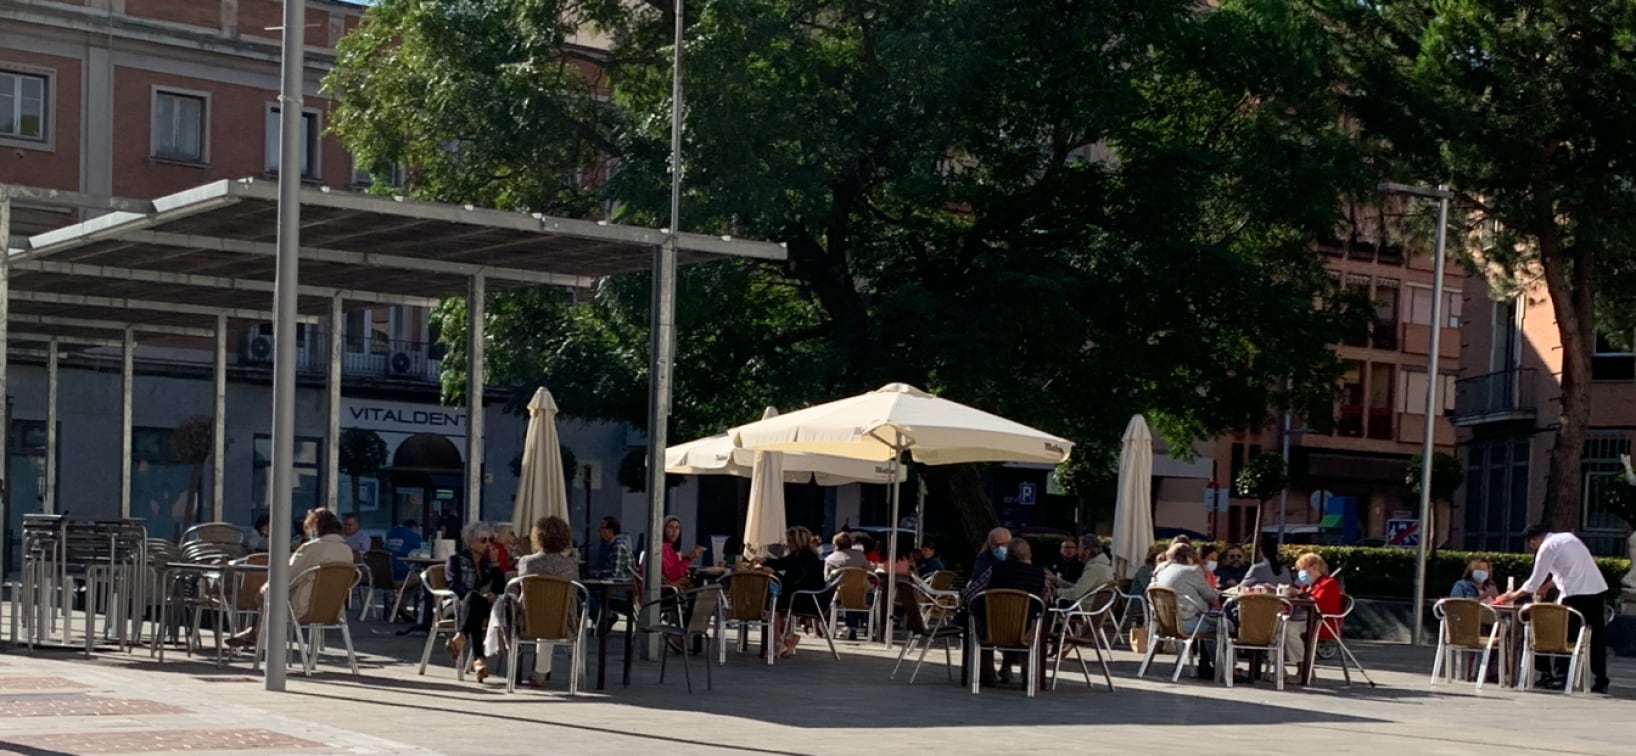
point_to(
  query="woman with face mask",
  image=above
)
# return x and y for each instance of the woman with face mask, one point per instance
(1313, 579)
(1477, 583)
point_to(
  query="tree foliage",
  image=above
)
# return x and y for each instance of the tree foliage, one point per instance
(362, 454)
(1063, 212)
(1447, 475)
(1262, 477)
(1525, 110)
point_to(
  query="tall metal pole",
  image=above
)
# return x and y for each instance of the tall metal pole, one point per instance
(332, 410)
(475, 304)
(218, 433)
(5, 347)
(664, 338)
(1283, 496)
(1428, 446)
(52, 378)
(127, 398)
(291, 141)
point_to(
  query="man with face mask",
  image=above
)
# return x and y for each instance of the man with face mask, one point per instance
(993, 553)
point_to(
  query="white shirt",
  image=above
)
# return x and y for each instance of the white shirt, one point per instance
(1564, 559)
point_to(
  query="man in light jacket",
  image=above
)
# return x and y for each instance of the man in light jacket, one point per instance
(1098, 571)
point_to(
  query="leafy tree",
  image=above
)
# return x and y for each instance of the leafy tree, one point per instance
(1066, 213)
(193, 439)
(1262, 477)
(1525, 110)
(362, 453)
(1447, 475)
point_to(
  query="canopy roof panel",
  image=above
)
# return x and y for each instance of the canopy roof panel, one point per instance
(186, 257)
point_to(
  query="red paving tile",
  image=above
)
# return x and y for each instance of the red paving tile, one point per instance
(148, 741)
(43, 682)
(81, 706)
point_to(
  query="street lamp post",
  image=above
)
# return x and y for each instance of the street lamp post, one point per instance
(1428, 444)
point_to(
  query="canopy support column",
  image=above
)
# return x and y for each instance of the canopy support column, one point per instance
(218, 433)
(5, 348)
(474, 398)
(332, 405)
(51, 378)
(127, 383)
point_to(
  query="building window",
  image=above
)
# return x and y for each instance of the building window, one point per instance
(1386, 309)
(309, 142)
(1412, 397)
(1420, 306)
(164, 489)
(1612, 361)
(308, 493)
(23, 106)
(1381, 409)
(392, 176)
(1350, 422)
(1496, 493)
(179, 126)
(1603, 472)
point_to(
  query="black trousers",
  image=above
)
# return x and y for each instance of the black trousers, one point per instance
(1596, 619)
(473, 613)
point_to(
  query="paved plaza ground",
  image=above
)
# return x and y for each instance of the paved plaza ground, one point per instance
(60, 702)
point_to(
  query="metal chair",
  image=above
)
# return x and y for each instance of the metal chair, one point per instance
(707, 610)
(1132, 613)
(1088, 614)
(378, 567)
(1547, 632)
(1460, 634)
(214, 532)
(328, 585)
(941, 580)
(1165, 625)
(1329, 634)
(852, 588)
(551, 612)
(809, 605)
(442, 621)
(1259, 627)
(1013, 622)
(750, 603)
(929, 617)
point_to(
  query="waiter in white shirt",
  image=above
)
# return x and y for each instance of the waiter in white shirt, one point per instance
(1563, 559)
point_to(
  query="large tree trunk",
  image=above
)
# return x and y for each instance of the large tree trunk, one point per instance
(963, 487)
(1570, 280)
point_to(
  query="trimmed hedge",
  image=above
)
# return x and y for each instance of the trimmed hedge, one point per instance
(1383, 572)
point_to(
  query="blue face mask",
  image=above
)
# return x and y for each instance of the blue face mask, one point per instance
(1305, 577)
(999, 553)
(1479, 576)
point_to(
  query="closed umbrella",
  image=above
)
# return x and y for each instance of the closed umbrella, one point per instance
(765, 524)
(1133, 514)
(716, 455)
(542, 491)
(883, 424)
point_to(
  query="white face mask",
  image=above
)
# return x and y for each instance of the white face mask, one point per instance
(1479, 576)
(1210, 566)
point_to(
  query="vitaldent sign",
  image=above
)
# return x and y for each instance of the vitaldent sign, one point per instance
(397, 417)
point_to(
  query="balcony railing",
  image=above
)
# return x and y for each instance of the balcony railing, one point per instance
(371, 358)
(1496, 397)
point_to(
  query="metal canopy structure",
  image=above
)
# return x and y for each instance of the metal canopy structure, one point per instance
(201, 262)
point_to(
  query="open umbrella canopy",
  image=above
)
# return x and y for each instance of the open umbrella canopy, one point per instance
(880, 425)
(1133, 513)
(716, 455)
(542, 490)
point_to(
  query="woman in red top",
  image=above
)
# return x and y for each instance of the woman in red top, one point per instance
(675, 565)
(1324, 589)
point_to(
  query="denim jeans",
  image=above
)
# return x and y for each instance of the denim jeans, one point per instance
(1206, 646)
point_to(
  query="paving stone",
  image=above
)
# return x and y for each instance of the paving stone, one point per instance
(149, 741)
(40, 682)
(85, 706)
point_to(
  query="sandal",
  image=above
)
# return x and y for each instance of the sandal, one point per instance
(455, 646)
(481, 669)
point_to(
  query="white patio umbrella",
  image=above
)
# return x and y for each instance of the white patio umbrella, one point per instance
(716, 455)
(764, 526)
(542, 490)
(881, 425)
(1133, 514)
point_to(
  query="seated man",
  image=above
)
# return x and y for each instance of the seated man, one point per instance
(324, 546)
(1017, 572)
(1096, 571)
(1068, 564)
(930, 562)
(402, 541)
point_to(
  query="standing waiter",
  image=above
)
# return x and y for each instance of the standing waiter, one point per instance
(1563, 559)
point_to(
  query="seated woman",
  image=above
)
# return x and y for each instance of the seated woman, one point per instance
(475, 579)
(553, 556)
(799, 569)
(1210, 559)
(1477, 583)
(1144, 574)
(1312, 573)
(676, 565)
(324, 546)
(1269, 569)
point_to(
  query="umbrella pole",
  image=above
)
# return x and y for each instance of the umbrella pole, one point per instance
(891, 555)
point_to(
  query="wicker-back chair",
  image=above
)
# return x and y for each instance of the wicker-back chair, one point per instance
(1548, 630)
(852, 588)
(328, 588)
(1082, 625)
(1165, 625)
(1259, 627)
(749, 595)
(214, 532)
(551, 613)
(1011, 622)
(1460, 635)
(929, 617)
(942, 580)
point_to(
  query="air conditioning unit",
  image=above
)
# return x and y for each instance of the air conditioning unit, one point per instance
(402, 363)
(257, 348)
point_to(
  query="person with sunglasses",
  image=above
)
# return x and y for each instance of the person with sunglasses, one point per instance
(1233, 567)
(475, 578)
